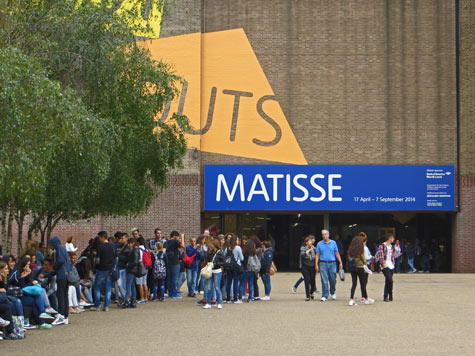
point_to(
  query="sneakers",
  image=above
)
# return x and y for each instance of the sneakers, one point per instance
(220, 306)
(60, 320)
(93, 309)
(46, 317)
(323, 299)
(352, 303)
(50, 310)
(4, 322)
(106, 309)
(11, 336)
(45, 326)
(369, 301)
(27, 325)
(307, 299)
(265, 298)
(207, 306)
(334, 297)
(294, 290)
(84, 304)
(239, 301)
(229, 302)
(176, 296)
(202, 292)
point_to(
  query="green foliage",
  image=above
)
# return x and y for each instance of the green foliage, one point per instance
(79, 99)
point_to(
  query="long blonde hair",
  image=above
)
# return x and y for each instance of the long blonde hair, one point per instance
(2, 274)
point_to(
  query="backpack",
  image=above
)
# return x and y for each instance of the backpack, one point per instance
(254, 264)
(159, 268)
(228, 260)
(146, 259)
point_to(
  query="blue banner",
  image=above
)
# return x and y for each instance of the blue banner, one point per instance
(329, 188)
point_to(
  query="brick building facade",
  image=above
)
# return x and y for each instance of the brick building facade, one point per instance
(360, 82)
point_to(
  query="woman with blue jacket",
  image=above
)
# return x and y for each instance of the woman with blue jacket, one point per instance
(267, 258)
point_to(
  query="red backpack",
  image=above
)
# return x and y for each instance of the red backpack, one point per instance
(146, 259)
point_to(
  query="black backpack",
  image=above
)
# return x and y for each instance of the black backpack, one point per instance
(228, 261)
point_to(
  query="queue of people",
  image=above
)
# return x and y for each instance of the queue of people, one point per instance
(46, 284)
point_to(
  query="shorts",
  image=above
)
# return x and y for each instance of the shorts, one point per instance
(141, 280)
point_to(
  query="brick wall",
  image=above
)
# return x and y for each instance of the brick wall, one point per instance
(360, 82)
(463, 243)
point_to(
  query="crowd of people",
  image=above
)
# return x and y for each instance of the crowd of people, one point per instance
(326, 258)
(45, 284)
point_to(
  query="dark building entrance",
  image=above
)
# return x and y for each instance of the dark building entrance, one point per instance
(287, 231)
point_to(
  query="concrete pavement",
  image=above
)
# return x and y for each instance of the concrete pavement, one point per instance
(432, 314)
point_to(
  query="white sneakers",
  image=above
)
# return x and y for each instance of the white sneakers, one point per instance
(334, 297)
(239, 301)
(265, 298)
(220, 306)
(60, 320)
(369, 301)
(323, 299)
(352, 303)
(207, 306)
(50, 310)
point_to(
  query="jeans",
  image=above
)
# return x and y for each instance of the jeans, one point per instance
(130, 287)
(233, 278)
(214, 287)
(62, 295)
(191, 281)
(122, 283)
(87, 293)
(173, 280)
(36, 302)
(296, 285)
(410, 262)
(181, 280)
(309, 277)
(425, 263)
(388, 283)
(398, 264)
(328, 274)
(266, 280)
(102, 277)
(360, 273)
(248, 277)
(17, 306)
(158, 284)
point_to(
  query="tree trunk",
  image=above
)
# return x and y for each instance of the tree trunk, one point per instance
(52, 222)
(3, 218)
(20, 219)
(10, 231)
(34, 227)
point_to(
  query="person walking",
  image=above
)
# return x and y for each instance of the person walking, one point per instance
(326, 258)
(355, 265)
(387, 266)
(307, 257)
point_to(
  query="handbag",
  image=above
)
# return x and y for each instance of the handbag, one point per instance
(32, 290)
(86, 283)
(14, 291)
(342, 274)
(18, 326)
(272, 269)
(189, 259)
(207, 271)
(351, 264)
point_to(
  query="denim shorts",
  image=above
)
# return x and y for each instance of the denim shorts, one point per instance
(141, 280)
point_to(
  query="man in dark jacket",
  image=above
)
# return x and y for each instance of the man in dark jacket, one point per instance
(61, 267)
(105, 259)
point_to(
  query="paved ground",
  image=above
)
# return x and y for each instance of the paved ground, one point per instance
(431, 315)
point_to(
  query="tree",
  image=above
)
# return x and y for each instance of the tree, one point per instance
(37, 119)
(90, 49)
